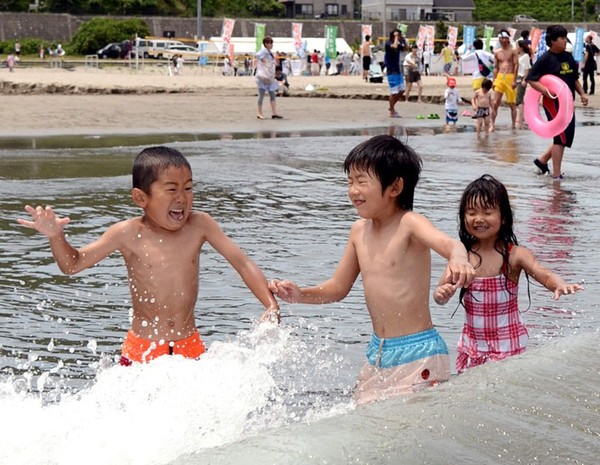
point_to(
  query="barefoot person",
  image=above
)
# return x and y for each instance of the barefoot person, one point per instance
(506, 64)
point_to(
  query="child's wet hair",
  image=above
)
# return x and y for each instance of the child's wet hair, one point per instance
(151, 161)
(487, 192)
(388, 159)
(487, 84)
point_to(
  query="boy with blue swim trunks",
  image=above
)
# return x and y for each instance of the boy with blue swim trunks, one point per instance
(393, 68)
(390, 247)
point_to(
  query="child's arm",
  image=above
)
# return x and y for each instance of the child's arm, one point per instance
(332, 290)
(474, 100)
(443, 293)
(550, 280)
(250, 273)
(69, 259)
(459, 271)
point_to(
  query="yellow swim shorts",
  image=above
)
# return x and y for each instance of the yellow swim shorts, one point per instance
(503, 84)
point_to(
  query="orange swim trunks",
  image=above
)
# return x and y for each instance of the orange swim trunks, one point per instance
(137, 349)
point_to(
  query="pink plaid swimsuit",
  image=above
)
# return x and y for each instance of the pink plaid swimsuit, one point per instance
(493, 329)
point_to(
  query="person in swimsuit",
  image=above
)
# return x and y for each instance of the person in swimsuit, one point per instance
(481, 102)
(161, 250)
(493, 328)
(506, 65)
(390, 247)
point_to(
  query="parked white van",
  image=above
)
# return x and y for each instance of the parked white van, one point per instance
(158, 47)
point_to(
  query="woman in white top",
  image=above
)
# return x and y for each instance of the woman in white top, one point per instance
(265, 78)
(524, 67)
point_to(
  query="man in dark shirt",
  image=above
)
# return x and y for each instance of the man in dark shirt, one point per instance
(558, 62)
(589, 65)
(393, 49)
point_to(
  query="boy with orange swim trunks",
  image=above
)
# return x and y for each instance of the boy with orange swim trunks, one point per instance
(161, 250)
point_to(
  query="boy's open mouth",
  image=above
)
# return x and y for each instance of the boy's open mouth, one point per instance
(177, 215)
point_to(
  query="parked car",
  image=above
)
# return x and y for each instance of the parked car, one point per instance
(158, 47)
(524, 19)
(187, 52)
(114, 50)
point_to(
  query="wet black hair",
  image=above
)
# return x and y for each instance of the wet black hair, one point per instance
(388, 159)
(487, 192)
(554, 32)
(478, 44)
(151, 161)
(487, 84)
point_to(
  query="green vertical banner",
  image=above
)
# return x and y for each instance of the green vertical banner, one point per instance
(488, 32)
(403, 28)
(259, 34)
(330, 45)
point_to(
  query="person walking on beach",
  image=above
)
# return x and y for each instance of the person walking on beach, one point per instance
(447, 54)
(524, 67)
(589, 65)
(558, 62)
(413, 64)
(390, 248)
(493, 328)
(393, 66)
(365, 52)
(265, 78)
(161, 250)
(10, 62)
(506, 65)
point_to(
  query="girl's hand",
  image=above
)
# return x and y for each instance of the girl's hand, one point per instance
(444, 293)
(44, 221)
(286, 290)
(565, 289)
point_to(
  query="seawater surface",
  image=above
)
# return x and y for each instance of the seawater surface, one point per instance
(283, 394)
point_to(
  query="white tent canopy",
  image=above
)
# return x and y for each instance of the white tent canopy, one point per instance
(247, 45)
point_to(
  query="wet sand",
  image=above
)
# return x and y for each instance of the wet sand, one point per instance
(127, 101)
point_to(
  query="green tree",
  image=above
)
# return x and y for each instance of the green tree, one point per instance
(96, 33)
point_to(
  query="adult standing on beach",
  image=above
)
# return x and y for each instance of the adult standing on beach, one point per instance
(506, 64)
(393, 66)
(524, 67)
(265, 78)
(589, 65)
(365, 52)
(558, 62)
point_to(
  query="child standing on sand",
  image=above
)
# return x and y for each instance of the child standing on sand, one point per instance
(390, 248)
(481, 102)
(493, 329)
(161, 249)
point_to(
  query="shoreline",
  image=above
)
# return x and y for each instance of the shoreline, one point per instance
(52, 102)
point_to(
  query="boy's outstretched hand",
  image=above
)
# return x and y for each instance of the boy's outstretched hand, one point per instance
(44, 221)
(285, 290)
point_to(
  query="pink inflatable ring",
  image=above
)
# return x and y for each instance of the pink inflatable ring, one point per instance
(559, 123)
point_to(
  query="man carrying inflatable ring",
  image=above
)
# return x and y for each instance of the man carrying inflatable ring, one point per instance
(557, 62)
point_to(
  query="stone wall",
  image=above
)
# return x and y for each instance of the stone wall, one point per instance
(62, 27)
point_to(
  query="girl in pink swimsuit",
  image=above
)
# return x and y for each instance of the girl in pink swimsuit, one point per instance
(493, 328)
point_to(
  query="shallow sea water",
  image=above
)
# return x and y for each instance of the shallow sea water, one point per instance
(266, 394)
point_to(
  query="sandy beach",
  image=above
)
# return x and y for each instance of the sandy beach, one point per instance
(44, 101)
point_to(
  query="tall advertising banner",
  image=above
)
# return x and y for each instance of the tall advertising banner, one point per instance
(468, 35)
(452, 36)
(226, 33)
(297, 36)
(259, 34)
(330, 45)
(542, 47)
(421, 36)
(430, 40)
(534, 37)
(366, 30)
(488, 32)
(578, 45)
(231, 53)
